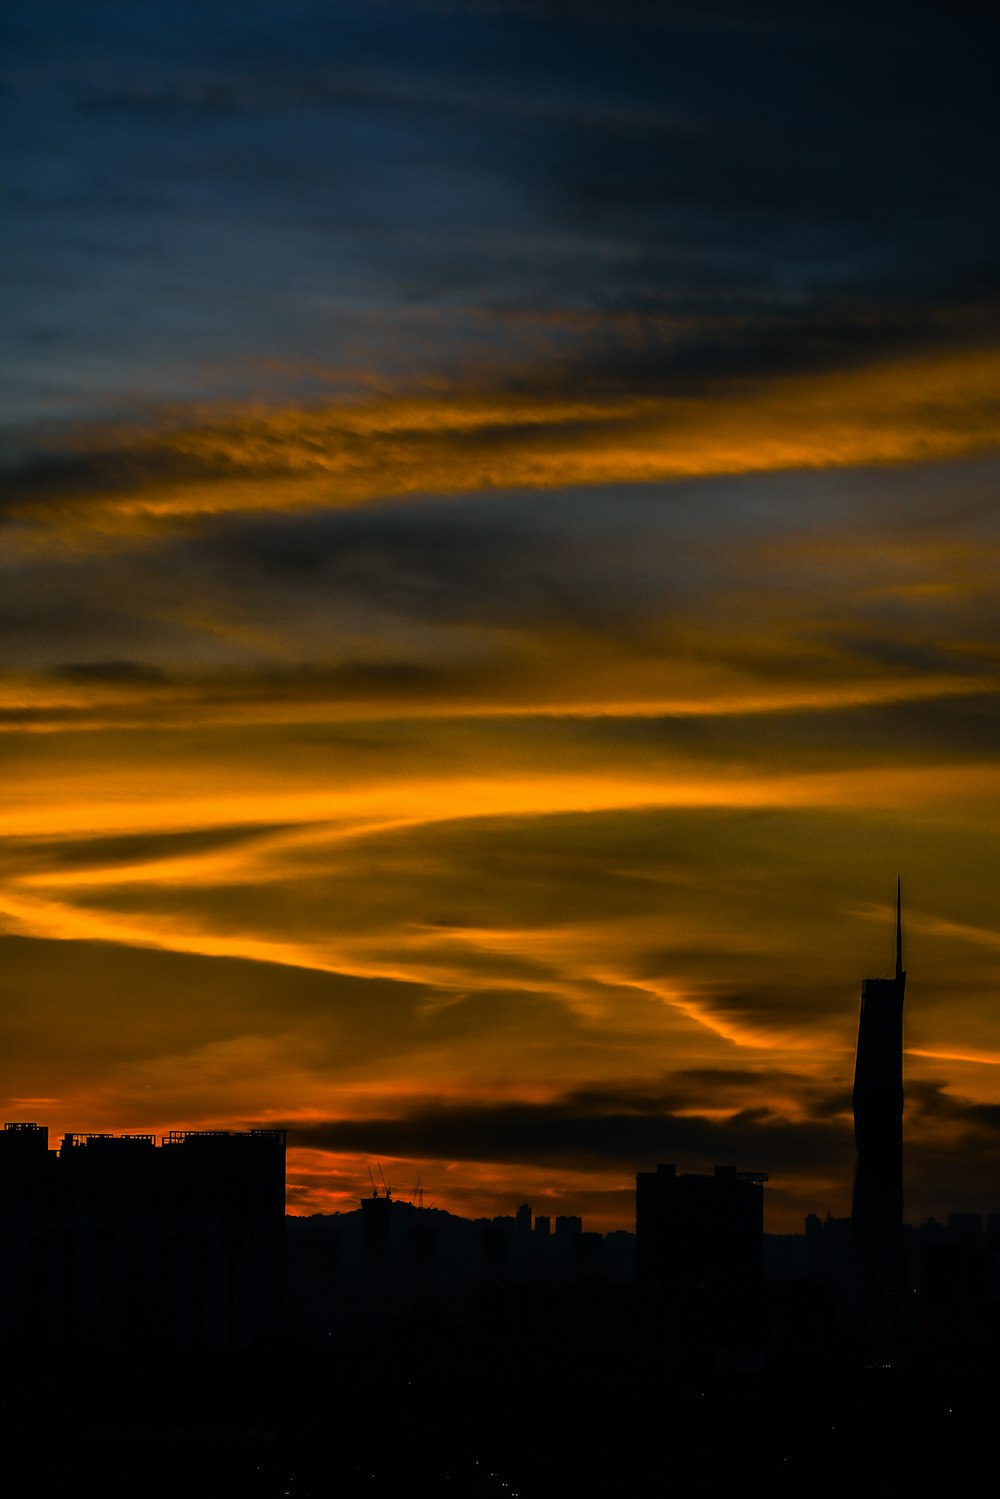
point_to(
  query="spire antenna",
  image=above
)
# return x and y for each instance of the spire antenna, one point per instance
(899, 930)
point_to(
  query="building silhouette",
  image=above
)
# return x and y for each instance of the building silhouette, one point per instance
(115, 1242)
(699, 1231)
(877, 1204)
(699, 1257)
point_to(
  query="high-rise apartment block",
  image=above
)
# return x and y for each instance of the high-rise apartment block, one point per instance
(699, 1231)
(116, 1241)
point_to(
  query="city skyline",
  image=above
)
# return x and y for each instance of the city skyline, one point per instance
(498, 559)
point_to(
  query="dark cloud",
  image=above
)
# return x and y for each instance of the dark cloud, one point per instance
(933, 1102)
(585, 1130)
(603, 1128)
(31, 855)
(685, 342)
(110, 671)
(439, 563)
(111, 471)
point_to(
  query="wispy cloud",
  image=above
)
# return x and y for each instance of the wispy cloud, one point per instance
(456, 443)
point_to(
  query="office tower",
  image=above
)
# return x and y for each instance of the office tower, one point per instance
(877, 1207)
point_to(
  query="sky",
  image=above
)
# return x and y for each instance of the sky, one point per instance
(499, 552)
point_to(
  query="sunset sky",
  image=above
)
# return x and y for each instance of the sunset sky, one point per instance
(500, 574)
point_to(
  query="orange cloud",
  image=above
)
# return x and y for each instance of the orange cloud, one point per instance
(56, 807)
(448, 442)
(37, 705)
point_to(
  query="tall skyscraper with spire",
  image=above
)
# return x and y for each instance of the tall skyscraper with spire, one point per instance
(877, 1206)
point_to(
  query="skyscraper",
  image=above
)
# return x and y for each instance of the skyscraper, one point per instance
(877, 1207)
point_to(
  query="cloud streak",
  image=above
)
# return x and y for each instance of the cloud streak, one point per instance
(921, 410)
